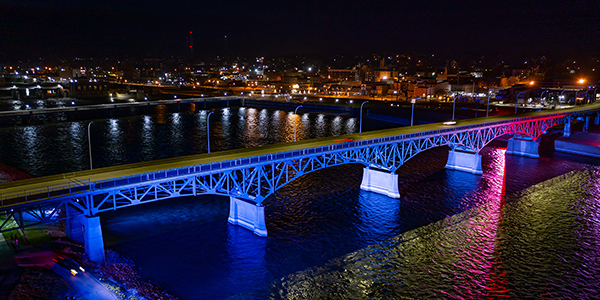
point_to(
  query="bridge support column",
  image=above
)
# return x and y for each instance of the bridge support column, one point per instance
(597, 119)
(74, 227)
(88, 231)
(586, 125)
(465, 161)
(567, 130)
(248, 215)
(380, 182)
(523, 146)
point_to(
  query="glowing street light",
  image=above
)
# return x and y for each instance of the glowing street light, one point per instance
(413, 101)
(517, 100)
(295, 114)
(208, 130)
(454, 106)
(360, 121)
(90, 143)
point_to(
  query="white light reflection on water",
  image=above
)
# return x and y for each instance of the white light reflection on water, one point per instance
(336, 126)
(147, 138)
(115, 146)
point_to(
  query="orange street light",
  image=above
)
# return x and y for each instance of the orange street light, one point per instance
(532, 82)
(581, 81)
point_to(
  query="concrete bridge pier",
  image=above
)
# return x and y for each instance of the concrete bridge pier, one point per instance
(597, 119)
(464, 160)
(248, 215)
(523, 146)
(586, 125)
(86, 230)
(380, 182)
(567, 130)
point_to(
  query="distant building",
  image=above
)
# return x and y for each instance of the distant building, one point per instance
(343, 74)
(89, 88)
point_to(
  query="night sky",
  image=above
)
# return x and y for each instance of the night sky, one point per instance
(97, 28)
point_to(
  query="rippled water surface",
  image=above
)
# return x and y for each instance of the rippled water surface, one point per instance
(527, 228)
(62, 147)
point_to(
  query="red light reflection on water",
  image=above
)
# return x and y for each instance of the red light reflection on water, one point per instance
(497, 285)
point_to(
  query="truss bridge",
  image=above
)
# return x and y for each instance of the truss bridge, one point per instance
(249, 176)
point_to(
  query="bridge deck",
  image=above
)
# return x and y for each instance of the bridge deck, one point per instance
(81, 178)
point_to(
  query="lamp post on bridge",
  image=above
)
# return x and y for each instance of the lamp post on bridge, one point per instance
(413, 101)
(454, 105)
(517, 100)
(90, 143)
(542, 98)
(208, 130)
(295, 114)
(360, 121)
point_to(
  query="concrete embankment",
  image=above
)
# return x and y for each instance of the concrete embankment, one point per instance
(580, 143)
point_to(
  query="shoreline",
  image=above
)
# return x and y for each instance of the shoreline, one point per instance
(118, 273)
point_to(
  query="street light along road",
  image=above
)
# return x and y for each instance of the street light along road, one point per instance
(208, 130)
(90, 143)
(295, 114)
(360, 121)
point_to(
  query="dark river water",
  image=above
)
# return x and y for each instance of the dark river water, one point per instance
(62, 146)
(525, 229)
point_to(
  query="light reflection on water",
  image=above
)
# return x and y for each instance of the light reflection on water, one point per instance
(521, 230)
(164, 134)
(451, 235)
(507, 233)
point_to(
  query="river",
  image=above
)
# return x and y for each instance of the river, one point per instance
(526, 228)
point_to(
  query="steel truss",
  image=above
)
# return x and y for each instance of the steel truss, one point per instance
(256, 180)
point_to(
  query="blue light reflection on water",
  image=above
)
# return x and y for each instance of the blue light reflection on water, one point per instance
(452, 234)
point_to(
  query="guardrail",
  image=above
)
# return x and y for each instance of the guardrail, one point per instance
(44, 193)
(54, 190)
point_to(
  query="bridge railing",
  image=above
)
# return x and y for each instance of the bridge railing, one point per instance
(49, 191)
(58, 190)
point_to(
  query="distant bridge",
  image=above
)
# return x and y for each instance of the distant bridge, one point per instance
(249, 176)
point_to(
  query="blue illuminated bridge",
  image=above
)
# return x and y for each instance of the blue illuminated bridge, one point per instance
(249, 176)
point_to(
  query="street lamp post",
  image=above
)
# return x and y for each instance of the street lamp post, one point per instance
(208, 130)
(561, 96)
(295, 114)
(454, 106)
(90, 143)
(517, 101)
(487, 112)
(542, 98)
(412, 101)
(476, 105)
(360, 121)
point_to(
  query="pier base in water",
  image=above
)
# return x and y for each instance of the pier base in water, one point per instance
(523, 146)
(380, 182)
(248, 215)
(464, 161)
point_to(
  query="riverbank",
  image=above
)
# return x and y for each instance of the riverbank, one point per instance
(32, 278)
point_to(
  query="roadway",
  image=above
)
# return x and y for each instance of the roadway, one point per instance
(81, 177)
(93, 107)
